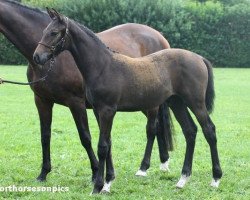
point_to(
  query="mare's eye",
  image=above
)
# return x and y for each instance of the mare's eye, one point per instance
(54, 33)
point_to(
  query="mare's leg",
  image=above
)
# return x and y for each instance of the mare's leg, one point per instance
(45, 114)
(79, 113)
(189, 130)
(208, 128)
(96, 116)
(162, 141)
(105, 115)
(151, 132)
(163, 151)
(162, 132)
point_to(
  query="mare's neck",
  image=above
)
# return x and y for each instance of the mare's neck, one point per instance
(22, 26)
(91, 55)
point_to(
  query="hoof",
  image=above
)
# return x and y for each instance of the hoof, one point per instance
(165, 166)
(141, 173)
(182, 182)
(95, 191)
(92, 193)
(215, 183)
(41, 179)
(106, 188)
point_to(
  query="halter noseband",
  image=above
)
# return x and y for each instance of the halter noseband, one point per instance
(61, 42)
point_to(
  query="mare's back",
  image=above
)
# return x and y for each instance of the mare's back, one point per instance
(134, 40)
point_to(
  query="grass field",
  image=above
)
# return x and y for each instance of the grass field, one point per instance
(20, 149)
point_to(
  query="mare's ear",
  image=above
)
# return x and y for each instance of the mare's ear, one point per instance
(51, 13)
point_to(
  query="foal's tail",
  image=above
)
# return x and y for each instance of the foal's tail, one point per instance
(210, 94)
(165, 126)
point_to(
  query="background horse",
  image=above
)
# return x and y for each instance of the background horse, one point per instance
(116, 82)
(23, 26)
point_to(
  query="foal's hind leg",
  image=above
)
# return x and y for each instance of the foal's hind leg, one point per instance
(79, 113)
(189, 130)
(151, 132)
(208, 129)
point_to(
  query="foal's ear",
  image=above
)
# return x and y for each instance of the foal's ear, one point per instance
(58, 15)
(54, 14)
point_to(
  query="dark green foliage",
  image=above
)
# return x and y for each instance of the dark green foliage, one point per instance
(9, 54)
(221, 33)
(218, 30)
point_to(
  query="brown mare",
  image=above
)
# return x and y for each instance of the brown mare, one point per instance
(116, 82)
(134, 40)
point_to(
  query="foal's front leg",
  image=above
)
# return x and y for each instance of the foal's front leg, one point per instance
(105, 115)
(45, 114)
(79, 113)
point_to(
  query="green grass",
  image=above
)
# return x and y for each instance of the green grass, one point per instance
(20, 149)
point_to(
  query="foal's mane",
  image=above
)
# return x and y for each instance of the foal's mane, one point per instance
(93, 36)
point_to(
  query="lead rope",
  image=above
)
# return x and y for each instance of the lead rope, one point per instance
(52, 61)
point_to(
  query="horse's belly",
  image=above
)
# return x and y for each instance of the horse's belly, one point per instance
(143, 100)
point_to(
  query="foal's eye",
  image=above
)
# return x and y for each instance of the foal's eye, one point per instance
(54, 33)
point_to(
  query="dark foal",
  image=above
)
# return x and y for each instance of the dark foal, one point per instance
(23, 26)
(115, 82)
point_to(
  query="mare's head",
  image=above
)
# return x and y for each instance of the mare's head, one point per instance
(54, 40)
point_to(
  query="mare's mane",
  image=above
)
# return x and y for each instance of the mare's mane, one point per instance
(24, 8)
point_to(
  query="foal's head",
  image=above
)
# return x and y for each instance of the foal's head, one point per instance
(55, 38)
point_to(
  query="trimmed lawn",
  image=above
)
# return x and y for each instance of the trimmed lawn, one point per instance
(20, 148)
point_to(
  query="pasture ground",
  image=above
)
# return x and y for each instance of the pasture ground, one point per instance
(20, 149)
